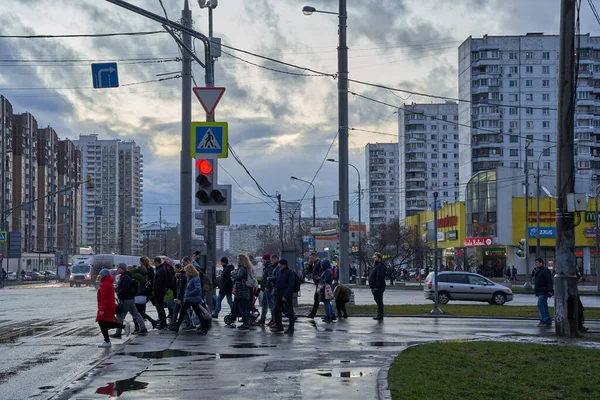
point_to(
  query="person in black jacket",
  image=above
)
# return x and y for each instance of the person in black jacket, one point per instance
(284, 297)
(377, 283)
(225, 287)
(160, 286)
(543, 289)
(126, 292)
(180, 283)
(315, 263)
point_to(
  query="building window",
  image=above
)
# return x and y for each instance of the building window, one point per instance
(513, 97)
(546, 125)
(529, 111)
(546, 165)
(583, 165)
(529, 97)
(545, 111)
(546, 55)
(529, 152)
(545, 69)
(528, 55)
(529, 83)
(546, 83)
(433, 127)
(545, 96)
(514, 164)
(514, 138)
(514, 152)
(529, 69)
(529, 124)
(513, 111)
(513, 83)
(433, 137)
(513, 56)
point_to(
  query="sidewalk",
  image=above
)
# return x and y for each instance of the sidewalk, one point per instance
(320, 361)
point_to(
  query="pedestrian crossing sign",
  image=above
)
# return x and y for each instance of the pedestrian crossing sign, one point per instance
(3, 236)
(209, 138)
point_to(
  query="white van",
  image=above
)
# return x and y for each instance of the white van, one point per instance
(110, 261)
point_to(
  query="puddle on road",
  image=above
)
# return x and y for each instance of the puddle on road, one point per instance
(182, 353)
(251, 346)
(119, 387)
(12, 337)
(391, 344)
(341, 374)
(45, 387)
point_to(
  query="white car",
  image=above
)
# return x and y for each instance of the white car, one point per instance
(466, 286)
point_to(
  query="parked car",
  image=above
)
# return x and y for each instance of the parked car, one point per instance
(51, 275)
(466, 286)
(12, 276)
(32, 276)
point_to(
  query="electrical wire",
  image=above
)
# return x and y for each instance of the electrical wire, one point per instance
(593, 7)
(244, 190)
(89, 35)
(270, 69)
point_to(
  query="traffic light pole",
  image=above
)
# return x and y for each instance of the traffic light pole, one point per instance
(527, 278)
(210, 222)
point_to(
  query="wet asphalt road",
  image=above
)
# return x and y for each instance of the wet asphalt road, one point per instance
(48, 338)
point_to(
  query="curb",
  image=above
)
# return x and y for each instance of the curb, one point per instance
(383, 386)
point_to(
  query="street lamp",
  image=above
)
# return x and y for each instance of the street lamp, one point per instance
(359, 216)
(537, 247)
(314, 216)
(344, 206)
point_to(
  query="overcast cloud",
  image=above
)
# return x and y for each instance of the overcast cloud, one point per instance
(279, 124)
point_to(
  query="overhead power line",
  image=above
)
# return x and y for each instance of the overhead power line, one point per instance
(80, 35)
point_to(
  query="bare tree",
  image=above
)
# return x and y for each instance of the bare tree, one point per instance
(397, 243)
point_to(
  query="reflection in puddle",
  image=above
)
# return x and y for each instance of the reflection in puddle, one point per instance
(119, 387)
(251, 346)
(182, 353)
(392, 344)
(12, 337)
(342, 374)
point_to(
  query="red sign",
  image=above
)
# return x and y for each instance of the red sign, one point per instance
(482, 241)
(447, 221)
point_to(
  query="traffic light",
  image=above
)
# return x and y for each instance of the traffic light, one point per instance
(210, 195)
(521, 248)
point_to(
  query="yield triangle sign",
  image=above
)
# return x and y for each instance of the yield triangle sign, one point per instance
(209, 97)
(208, 142)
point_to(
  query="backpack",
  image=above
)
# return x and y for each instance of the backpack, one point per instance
(297, 283)
(207, 285)
(251, 280)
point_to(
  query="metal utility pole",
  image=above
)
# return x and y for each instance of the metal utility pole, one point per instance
(436, 308)
(527, 277)
(537, 191)
(343, 145)
(280, 221)
(565, 279)
(185, 193)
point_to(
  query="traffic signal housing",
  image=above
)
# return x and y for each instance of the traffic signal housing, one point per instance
(209, 195)
(521, 248)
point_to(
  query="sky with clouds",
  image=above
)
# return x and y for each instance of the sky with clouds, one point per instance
(279, 124)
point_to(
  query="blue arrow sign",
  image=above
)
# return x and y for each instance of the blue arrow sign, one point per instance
(3, 236)
(105, 75)
(545, 232)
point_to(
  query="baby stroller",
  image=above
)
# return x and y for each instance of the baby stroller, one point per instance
(253, 312)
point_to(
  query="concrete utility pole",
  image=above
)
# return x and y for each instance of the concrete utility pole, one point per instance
(436, 308)
(565, 279)
(185, 193)
(526, 250)
(537, 192)
(596, 223)
(344, 261)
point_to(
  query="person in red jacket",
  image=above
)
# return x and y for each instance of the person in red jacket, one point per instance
(107, 307)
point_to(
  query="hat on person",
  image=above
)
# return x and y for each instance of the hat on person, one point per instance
(104, 272)
(122, 266)
(266, 257)
(225, 260)
(283, 261)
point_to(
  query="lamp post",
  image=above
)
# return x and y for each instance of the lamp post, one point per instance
(342, 135)
(527, 278)
(314, 215)
(359, 217)
(537, 192)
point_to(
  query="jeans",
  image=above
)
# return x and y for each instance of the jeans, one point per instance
(316, 302)
(129, 307)
(196, 307)
(159, 303)
(267, 301)
(142, 310)
(542, 305)
(378, 297)
(288, 309)
(243, 306)
(222, 296)
(329, 309)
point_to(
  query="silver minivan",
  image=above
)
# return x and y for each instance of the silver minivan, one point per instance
(466, 286)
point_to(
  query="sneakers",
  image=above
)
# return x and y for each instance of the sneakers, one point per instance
(105, 345)
(277, 329)
(289, 331)
(116, 336)
(378, 318)
(271, 324)
(127, 329)
(260, 322)
(311, 316)
(143, 332)
(243, 328)
(174, 328)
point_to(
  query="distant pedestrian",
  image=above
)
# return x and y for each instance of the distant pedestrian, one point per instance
(315, 264)
(105, 315)
(377, 283)
(243, 292)
(513, 274)
(225, 287)
(580, 309)
(3, 277)
(140, 275)
(341, 294)
(160, 286)
(126, 291)
(267, 301)
(284, 298)
(179, 295)
(543, 289)
(326, 292)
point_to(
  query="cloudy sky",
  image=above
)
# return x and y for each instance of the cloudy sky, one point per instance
(279, 124)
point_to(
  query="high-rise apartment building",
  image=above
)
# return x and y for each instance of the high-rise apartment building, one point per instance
(383, 188)
(111, 210)
(69, 205)
(509, 89)
(6, 115)
(428, 156)
(47, 182)
(24, 179)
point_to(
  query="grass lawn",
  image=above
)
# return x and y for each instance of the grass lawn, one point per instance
(483, 310)
(490, 370)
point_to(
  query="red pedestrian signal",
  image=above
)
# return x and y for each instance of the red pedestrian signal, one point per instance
(209, 194)
(204, 166)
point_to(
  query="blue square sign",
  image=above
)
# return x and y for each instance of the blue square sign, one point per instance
(3, 236)
(105, 75)
(209, 138)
